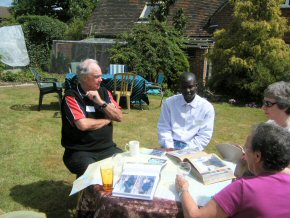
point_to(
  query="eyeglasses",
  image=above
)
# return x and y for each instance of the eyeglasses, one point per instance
(268, 103)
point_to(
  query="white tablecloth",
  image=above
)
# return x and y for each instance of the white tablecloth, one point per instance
(166, 187)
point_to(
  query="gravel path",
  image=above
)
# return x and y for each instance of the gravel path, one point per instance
(9, 85)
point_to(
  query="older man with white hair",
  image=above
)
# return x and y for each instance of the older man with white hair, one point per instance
(87, 114)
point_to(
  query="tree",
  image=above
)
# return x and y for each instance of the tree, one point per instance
(251, 54)
(152, 48)
(163, 10)
(39, 32)
(64, 10)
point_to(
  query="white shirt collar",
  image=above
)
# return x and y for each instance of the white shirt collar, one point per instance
(193, 103)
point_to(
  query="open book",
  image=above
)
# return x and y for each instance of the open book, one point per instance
(182, 154)
(138, 180)
(207, 168)
(230, 152)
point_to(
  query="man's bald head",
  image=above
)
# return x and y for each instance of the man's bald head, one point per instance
(186, 77)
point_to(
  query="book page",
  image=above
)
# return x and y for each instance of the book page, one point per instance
(207, 163)
(186, 153)
(141, 168)
(135, 185)
(138, 180)
(157, 161)
(153, 152)
(230, 152)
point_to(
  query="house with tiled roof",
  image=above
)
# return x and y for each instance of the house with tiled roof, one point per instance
(203, 18)
(112, 17)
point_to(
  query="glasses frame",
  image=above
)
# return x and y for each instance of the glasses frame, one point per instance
(268, 103)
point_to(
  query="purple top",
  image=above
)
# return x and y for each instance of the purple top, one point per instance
(266, 196)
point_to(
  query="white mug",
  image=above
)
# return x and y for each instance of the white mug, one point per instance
(134, 147)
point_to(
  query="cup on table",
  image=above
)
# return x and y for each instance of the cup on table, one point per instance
(183, 168)
(107, 173)
(133, 147)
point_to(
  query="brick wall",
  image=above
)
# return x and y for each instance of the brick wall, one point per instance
(286, 13)
(197, 62)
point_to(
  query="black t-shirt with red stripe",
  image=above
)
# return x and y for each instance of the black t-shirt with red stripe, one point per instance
(75, 106)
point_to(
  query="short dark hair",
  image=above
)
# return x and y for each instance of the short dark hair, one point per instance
(280, 91)
(274, 144)
(184, 76)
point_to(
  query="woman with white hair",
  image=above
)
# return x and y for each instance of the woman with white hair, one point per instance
(266, 194)
(276, 104)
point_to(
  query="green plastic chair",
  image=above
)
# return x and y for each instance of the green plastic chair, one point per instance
(46, 86)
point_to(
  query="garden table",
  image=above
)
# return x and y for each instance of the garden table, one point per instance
(138, 96)
(94, 202)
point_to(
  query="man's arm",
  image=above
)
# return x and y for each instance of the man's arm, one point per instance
(165, 138)
(77, 117)
(111, 110)
(203, 137)
(88, 124)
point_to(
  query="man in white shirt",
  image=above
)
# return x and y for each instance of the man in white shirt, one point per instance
(186, 119)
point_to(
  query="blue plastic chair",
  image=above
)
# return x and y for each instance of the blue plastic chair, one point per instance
(117, 68)
(74, 66)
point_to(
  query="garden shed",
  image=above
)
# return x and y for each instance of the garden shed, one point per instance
(65, 52)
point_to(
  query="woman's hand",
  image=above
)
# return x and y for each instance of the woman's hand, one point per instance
(181, 183)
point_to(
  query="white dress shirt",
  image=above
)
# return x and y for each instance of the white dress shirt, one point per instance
(191, 123)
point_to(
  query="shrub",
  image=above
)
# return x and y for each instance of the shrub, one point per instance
(152, 48)
(2, 66)
(16, 76)
(251, 53)
(39, 32)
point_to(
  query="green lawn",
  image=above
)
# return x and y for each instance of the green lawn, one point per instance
(32, 174)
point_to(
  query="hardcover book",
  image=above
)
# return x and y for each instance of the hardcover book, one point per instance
(230, 152)
(207, 168)
(138, 180)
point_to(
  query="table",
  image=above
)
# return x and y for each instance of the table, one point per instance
(139, 94)
(93, 202)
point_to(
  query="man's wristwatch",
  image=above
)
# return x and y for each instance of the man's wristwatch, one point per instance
(103, 106)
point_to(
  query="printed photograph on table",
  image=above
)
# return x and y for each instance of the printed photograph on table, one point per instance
(160, 161)
(138, 180)
(210, 169)
(205, 164)
(157, 152)
(145, 185)
(135, 184)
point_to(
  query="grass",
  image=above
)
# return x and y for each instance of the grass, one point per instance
(33, 176)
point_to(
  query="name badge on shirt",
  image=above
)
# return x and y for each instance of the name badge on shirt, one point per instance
(90, 109)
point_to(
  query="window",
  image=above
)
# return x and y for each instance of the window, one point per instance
(286, 4)
(148, 8)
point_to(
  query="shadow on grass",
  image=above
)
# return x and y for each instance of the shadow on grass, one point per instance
(53, 106)
(49, 197)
